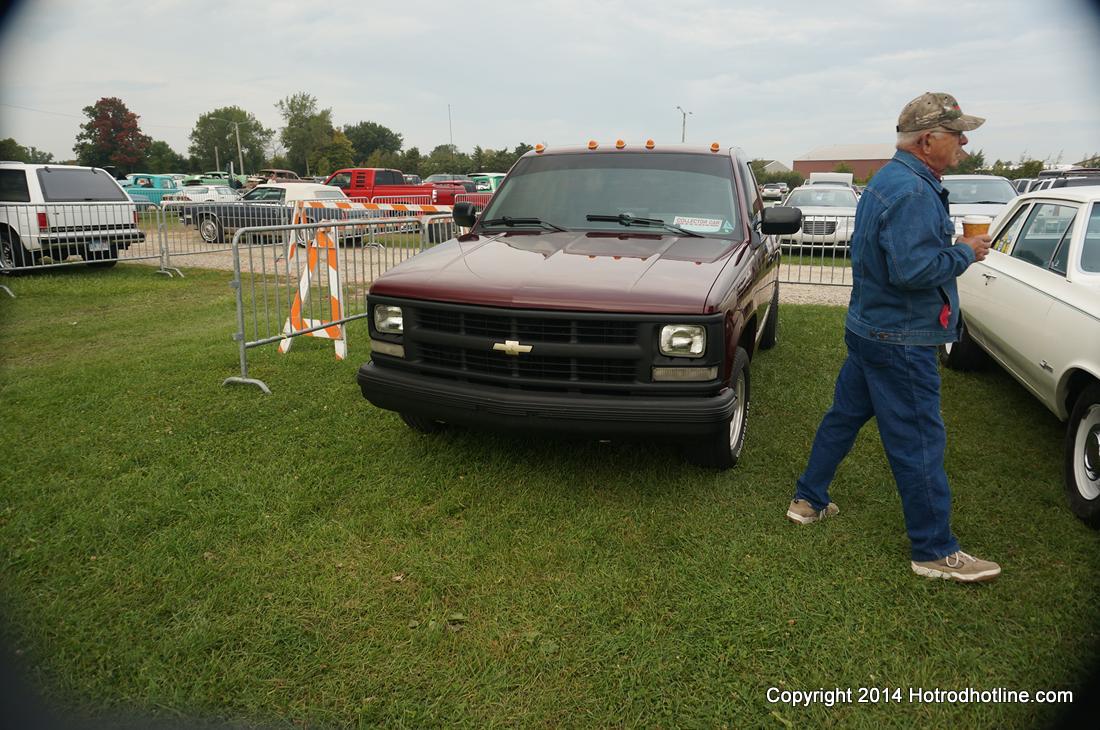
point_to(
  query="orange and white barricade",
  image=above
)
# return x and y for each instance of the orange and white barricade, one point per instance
(324, 242)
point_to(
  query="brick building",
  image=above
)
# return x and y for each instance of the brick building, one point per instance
(862, 158)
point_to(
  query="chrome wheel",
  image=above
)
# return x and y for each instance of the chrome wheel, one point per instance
(1086, 454)
(209, 230)
(737, 420)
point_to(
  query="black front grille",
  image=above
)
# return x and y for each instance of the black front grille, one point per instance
(542, 329)
(573, 369)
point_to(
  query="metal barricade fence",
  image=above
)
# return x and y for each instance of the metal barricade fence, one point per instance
(45, 235)
(401, 199)
(820, 253)
(310, 279)
(480, 200)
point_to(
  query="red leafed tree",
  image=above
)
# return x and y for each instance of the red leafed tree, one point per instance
(111, 136)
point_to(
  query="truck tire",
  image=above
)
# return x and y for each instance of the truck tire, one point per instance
(771, 324)
(210, 229)
(421, 424)
(1082, 460)
(966, 354)
(722, 449)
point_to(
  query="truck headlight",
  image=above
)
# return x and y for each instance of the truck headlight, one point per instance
(683, 340)
(388, 319)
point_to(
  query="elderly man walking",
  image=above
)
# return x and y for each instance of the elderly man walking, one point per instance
(904, 305)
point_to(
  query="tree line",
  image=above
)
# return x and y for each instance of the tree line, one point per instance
(311, 145)
(308, 143)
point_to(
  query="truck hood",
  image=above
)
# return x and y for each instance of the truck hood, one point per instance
(588, 271)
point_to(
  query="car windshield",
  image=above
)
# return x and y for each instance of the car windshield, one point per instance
(691, 191)
(979, 191)
(823, 197)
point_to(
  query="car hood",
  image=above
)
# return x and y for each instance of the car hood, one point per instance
(586, 271)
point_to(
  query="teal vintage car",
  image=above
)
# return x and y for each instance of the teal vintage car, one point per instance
(216, 177)
(146, 189)
(487, 182)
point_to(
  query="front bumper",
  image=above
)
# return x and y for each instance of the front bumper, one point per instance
(571, 413)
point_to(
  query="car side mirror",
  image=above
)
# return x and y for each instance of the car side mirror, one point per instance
(779, 220)
(464, 214)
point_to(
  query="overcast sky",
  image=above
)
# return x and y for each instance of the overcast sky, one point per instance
(777, 79)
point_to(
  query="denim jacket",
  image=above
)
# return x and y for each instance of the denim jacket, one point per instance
(903, 263)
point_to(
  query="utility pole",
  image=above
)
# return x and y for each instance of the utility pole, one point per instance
(217, 164)
(236, 131)
(451, 131)
(683, 123)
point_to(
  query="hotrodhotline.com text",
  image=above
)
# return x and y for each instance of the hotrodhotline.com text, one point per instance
(910, 695)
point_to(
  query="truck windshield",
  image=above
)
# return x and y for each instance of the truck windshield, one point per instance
(691, 191)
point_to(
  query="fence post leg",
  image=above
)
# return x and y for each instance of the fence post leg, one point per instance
(162, 234)
(7, 290)
(239, 336)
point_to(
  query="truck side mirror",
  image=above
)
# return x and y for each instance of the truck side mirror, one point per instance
(464, 214)
(780, 220)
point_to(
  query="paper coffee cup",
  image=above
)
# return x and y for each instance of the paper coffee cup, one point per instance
(976, 225)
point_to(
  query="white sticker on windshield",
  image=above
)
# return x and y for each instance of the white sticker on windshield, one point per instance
(703, 225)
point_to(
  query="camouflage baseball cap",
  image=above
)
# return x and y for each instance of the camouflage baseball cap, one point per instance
(930, 110)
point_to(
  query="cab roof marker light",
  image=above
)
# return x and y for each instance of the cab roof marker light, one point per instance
(539, 148)
(714, 147)
(619, 144)
(649, 144)
(592, 144)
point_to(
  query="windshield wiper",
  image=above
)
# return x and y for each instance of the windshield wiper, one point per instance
(625, 219)
(985, 202)
(509, 221)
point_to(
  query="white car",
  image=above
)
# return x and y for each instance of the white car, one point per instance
(62, 210)
(977, 195)
(1034, 306)
(203, 194)
(828, 215)
(771, 191)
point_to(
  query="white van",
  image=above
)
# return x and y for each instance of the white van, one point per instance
(832, 178)
(63, 210)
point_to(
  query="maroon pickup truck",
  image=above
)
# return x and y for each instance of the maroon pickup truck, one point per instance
(602, 292)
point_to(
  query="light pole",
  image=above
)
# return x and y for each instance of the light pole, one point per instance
(237, 131)
(683, 123)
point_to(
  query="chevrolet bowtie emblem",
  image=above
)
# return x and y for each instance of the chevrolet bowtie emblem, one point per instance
(511, 347)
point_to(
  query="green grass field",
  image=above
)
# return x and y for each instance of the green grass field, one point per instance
(171, 547)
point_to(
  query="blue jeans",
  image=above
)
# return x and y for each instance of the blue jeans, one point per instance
(900, 386)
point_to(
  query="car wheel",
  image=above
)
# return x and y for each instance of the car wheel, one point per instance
(210, 229)
(1082, 463)
(771, 325)
(13, 254)
(421, 424)
(966, 354)
(722, 449)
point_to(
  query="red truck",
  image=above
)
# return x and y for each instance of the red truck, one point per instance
(366, 183)
(630, 301)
